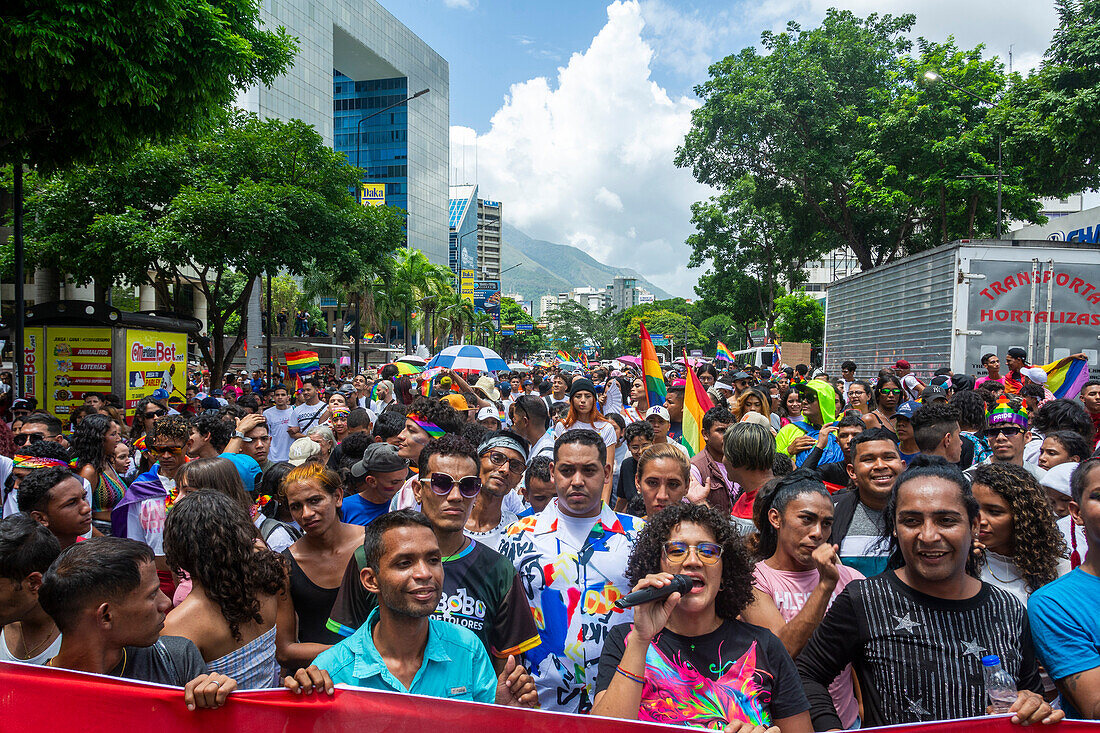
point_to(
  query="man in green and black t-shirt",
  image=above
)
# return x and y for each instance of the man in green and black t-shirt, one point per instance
(481, 589)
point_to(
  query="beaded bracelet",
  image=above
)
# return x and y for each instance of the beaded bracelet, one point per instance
(629, 675)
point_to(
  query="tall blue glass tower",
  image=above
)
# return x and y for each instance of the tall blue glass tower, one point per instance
(383, 145)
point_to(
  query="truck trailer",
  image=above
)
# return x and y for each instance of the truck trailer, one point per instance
(950, 305)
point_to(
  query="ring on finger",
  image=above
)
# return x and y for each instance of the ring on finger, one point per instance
(216, 683)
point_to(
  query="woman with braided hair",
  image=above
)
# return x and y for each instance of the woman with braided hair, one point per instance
(1024, 549)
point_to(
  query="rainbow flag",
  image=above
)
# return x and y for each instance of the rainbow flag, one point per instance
(564, 356)
(651, 369)
(1066, 381)
(302, 362)
(298, 386)
(724, 353)
(584, 359)
(696, 402)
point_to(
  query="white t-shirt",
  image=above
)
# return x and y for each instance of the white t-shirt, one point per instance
(491, 539)
(606, 430)
(41, 658)
(573, 531)
(308, 416)
(911, 386)
(277, 423)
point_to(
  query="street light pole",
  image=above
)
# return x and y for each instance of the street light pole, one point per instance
(937, 78)
(359, 136)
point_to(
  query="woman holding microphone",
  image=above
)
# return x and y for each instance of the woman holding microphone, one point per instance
(687, 659)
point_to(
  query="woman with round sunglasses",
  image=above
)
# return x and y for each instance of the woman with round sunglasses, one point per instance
(93, 443)
(317, 562)
(888, 395)
(687, 659)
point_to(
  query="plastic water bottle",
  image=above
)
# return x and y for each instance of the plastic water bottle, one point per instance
(1000, 688)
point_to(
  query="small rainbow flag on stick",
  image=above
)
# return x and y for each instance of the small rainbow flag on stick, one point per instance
(651, 370)
(584, 358)
(723, 353)
(302, 362)
(1066, 377)
(696, 403)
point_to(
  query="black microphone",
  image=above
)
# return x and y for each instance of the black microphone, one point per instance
(680, 584)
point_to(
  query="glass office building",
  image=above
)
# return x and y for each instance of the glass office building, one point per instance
(373, 139)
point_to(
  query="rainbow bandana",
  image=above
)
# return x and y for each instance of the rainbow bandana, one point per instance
(433, 430)
(340, 412)
(1005, 414)
(30, 462)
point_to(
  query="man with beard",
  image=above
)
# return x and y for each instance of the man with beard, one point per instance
(401, 648)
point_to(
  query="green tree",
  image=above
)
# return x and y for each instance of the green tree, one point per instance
(522, 342)
(217, 211)
(572, 326)
(666, 323)
(834, 119)
(800, 318)
(82, 80)
(416, 281)
(717, 328)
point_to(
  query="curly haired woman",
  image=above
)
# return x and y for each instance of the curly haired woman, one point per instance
(1024, 550)
(688, 660)
(230, 612)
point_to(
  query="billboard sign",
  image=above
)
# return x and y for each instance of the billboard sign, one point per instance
(154, 360)
(487, 299)
(78, 361)
(372, 194)
(466, 285)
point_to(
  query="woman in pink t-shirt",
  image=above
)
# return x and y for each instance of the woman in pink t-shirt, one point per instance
(800, 573)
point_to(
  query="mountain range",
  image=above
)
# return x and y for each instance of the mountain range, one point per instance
(547, 268)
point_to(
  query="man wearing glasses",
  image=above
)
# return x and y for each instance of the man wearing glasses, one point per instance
(503, 459)
(37, 427)
(1007, 433)
(480, 590)
(571, 558)
(141, 513)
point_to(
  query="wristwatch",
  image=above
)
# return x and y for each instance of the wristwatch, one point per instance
(241, 436)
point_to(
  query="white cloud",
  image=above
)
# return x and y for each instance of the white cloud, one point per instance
(461, 4)
(586, 159)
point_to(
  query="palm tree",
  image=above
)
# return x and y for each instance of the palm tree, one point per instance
(414, 281)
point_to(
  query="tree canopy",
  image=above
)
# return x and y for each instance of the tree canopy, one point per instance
(250, 197)
(82, 80)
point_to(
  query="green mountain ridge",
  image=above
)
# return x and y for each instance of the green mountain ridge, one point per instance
(547, 268)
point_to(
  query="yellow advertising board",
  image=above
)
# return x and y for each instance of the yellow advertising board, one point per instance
(466, 285)
(372, 194)
(34, 369)
(154, 360)
(77, 361)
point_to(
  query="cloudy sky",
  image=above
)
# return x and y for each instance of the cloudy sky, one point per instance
(570, 112)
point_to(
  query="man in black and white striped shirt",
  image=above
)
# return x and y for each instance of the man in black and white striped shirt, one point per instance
(916, 633)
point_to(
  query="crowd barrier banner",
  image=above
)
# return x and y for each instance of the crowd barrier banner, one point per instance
(34, 698)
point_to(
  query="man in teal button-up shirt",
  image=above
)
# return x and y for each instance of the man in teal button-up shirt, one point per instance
(399, 648)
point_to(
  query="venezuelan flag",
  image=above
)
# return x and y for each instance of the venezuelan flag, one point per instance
(1065, 378)
(651, 369)
(564, 356)
(302, 362)
(696, 402)
(723, 353)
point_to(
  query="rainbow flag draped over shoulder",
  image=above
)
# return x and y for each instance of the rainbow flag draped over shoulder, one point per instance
(696, 402)
(651, 370)
(1065, 381)
(723, 353)
(564, 356)
(302, 362)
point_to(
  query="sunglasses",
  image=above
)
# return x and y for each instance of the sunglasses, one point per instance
(22, 438)
(499, 459)
(1009, 432)
(161, 449)
(707, 552)
(156, 413)
(890, 391)
(468, 486)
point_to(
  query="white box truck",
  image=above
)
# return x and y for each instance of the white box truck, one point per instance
(950, 305)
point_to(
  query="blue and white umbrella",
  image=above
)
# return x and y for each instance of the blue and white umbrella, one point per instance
(468, 356)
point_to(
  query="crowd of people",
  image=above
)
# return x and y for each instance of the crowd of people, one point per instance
(858, 551)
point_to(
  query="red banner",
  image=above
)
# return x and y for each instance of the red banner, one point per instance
(36, 698)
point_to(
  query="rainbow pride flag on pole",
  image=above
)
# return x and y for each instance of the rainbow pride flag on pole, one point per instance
(564, 356)
(724, 353)
(302, 362)
(696, 402)
(584, 358)
(1065, 381)
(651, 370)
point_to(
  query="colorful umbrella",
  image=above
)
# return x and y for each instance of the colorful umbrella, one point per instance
(412, 359)
(518, 366)
(632, 360)
(468, 356)
(405, 368)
